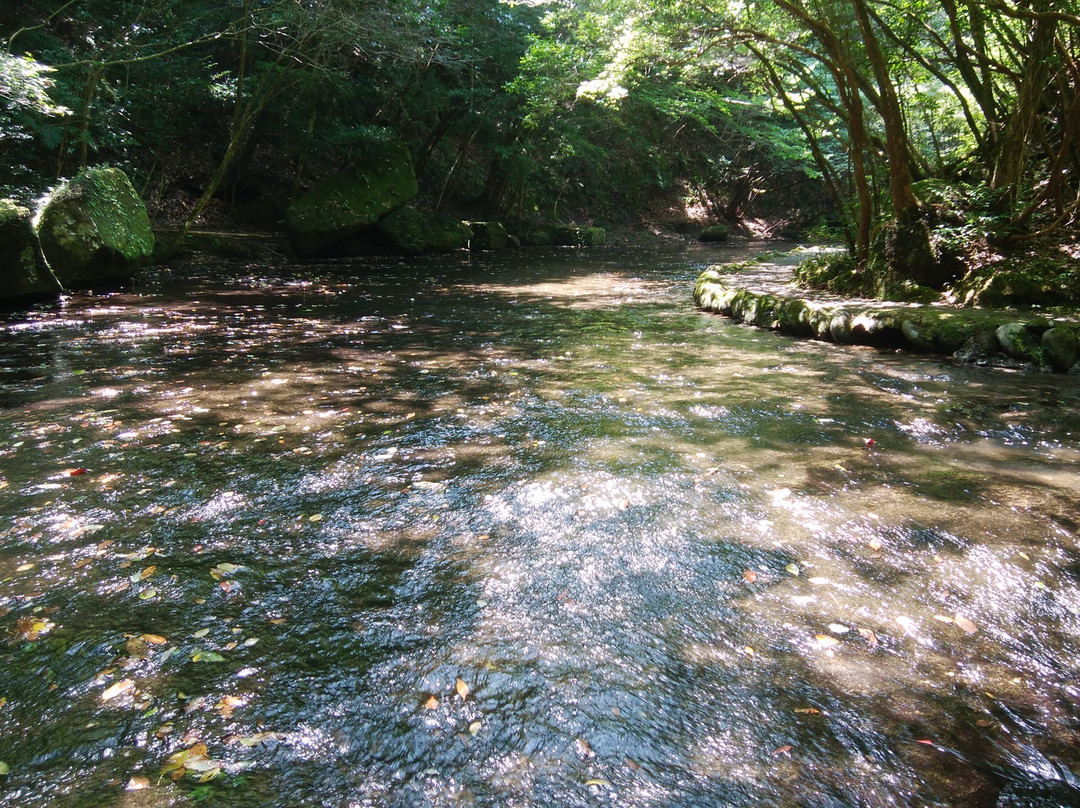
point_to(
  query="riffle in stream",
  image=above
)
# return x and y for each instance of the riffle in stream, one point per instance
(524, 530)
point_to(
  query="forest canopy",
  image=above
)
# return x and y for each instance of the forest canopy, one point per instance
(953, 120)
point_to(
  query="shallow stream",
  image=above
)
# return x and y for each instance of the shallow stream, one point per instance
(522, 530)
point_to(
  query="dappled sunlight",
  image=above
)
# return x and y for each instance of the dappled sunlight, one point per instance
(551, 536)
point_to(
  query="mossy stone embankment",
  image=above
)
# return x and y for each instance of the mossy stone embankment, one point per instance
(24, 275)
(94, 230)
(975, 335)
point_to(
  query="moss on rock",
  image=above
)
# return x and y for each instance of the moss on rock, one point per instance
(94, 230)
(23, 270)
(352, 200)
(970, 335)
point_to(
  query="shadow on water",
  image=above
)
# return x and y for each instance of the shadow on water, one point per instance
(522, 531)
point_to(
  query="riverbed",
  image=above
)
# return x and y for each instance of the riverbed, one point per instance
(522, 529)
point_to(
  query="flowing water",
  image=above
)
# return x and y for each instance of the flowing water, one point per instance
(523, 530)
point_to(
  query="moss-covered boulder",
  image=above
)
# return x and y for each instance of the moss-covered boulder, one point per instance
(24, 275)
(488, 236)
(1060, 347)
(352, 200)
(714, 233)
(94, 231)
(570, 236)
(407, 231)
(539, 235)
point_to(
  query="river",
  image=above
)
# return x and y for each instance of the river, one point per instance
(522, 530)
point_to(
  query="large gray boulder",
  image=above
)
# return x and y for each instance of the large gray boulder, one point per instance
(356, 198)
(94, 231)
(24, 275)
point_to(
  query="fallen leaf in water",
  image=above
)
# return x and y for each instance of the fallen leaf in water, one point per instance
(808, 711)
(192, 760)
(144, 574)
(475, 727)
(597, 781)
(826, 641)
(207, 656)
(136, 647)
(24, 567)
(315, 517)
(222, 569)
(749, 650)
(965, 624)
(202, 632)
(942, 618)
(868, 635)
(782, 750)
(5, 769)
(926, 742)
(874, 544)
(30, 628)
(251, 740)
(154, 639)
(146, 594)
(431, 704)
(75, 472)
(137, 784)
(750, 576)
(117, 689)
(583, 748)
(839, 628)
(462, 689)
(793, 568)
(226, 706)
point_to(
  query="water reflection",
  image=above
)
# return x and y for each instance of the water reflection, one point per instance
(523, 531)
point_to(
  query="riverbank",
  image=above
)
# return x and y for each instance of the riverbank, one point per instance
(762, 293)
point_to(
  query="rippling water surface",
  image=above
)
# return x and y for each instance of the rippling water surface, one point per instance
(524, 530)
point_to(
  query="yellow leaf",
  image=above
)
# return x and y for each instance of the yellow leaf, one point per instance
(462, 689)
(597, 781)
(749, 576)
(154, 639)
(868, 635)
(826, 641)
(475, 727)
(431, 704)
(807, 711)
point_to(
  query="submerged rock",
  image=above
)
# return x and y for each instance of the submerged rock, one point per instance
(24, 274)
(352, 200)
(94, 231)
